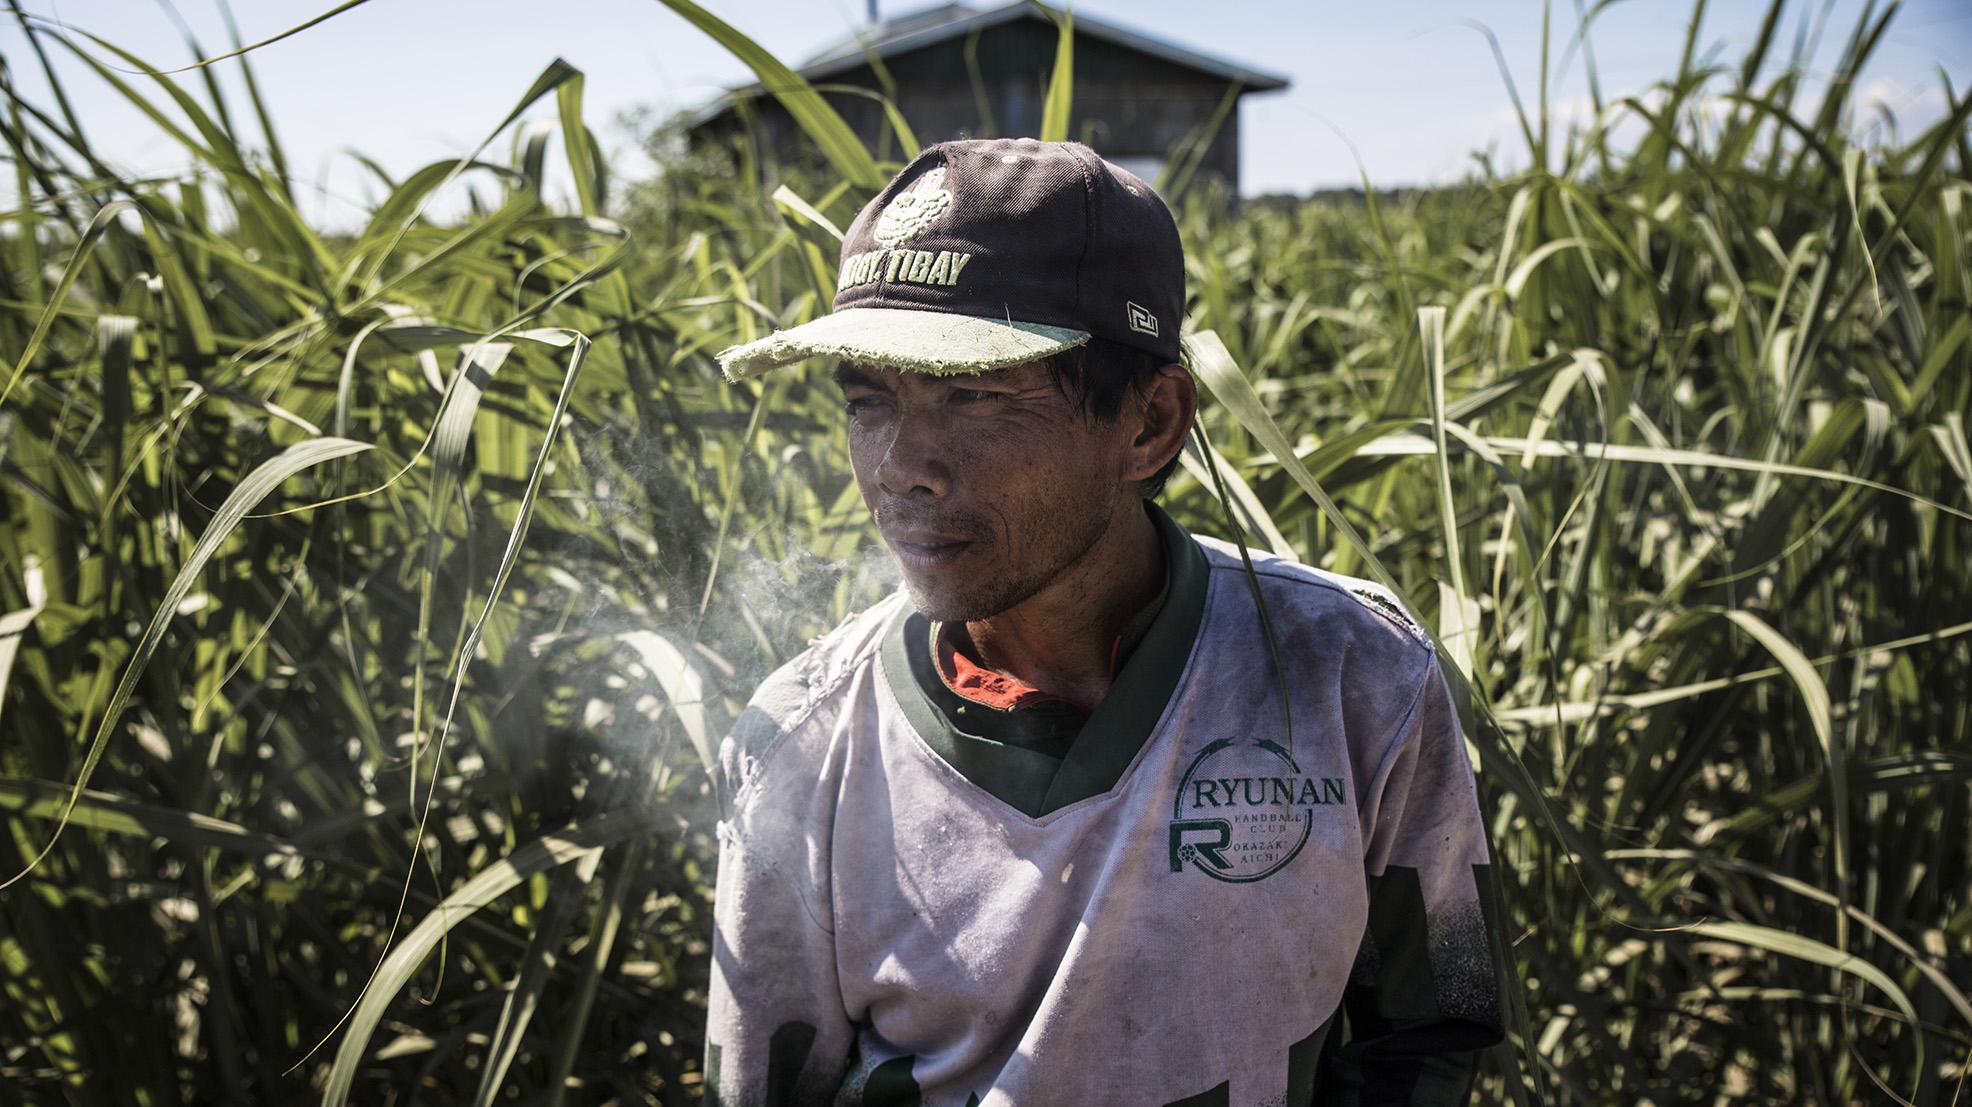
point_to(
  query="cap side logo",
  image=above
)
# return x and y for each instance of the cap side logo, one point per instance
(1141, 320)
(909, 212)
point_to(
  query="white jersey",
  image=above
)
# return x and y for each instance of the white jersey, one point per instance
(1178, 910)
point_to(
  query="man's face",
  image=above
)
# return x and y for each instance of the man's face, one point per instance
(986, 487)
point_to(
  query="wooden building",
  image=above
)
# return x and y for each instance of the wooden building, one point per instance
(967, 72)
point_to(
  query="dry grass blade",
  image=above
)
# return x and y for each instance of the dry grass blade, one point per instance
(14, 626)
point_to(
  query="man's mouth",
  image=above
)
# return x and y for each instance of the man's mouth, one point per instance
(925, 549)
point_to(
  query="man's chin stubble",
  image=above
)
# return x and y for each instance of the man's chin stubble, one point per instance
(963, 609)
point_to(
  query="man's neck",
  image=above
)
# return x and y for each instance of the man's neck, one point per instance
(1061, 639)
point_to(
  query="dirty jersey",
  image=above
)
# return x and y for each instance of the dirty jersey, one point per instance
(1216, 895)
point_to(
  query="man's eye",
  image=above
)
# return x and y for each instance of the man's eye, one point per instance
(860, 405)
(972, 396)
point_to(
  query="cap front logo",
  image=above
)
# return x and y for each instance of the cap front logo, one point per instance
(904, 218)
(911, 211)
(1141, 320)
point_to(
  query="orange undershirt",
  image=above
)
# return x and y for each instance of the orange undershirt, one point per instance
(1003, 692)
(999, 691)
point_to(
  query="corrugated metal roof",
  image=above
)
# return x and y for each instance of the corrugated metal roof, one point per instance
(913, 30)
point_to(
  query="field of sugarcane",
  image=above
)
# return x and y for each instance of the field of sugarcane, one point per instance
(370, 599)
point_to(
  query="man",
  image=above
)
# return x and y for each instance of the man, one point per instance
(1051, 826)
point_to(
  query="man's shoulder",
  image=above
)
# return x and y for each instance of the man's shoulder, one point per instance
(1325, 602)
(804, 694)
(810, 677)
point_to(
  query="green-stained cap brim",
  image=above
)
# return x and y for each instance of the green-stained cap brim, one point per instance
(908, 339)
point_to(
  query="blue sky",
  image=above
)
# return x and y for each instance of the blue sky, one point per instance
(1408, 83)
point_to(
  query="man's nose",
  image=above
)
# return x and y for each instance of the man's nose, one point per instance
(916, 460)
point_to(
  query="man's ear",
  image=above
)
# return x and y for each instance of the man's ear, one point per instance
(1170, 403)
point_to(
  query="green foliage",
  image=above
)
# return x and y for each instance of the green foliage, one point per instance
(521, 614)
(1661, 443)
(456, 555)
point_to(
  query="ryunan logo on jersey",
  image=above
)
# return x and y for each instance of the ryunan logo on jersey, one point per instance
(908, 214)
(1245, 809)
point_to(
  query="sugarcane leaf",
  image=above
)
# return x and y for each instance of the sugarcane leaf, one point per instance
(572, 844)
(257, 486)
(84, 246)
(1060, 99)
(816, 118)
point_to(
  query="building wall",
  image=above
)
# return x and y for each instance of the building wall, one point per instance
(1132, 108)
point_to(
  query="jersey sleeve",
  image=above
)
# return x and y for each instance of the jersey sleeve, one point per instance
(1423, 997)
(776, 1032)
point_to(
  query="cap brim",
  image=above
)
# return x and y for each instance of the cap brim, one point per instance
(910, 339)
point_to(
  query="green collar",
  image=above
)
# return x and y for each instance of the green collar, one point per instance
(1035, 783)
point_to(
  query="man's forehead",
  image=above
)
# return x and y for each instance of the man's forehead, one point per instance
(882, 376)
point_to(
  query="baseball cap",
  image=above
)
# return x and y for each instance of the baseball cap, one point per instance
(986, 253)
